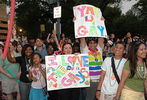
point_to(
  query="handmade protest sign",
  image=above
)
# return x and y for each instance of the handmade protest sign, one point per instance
(88, 22)
(67, 71)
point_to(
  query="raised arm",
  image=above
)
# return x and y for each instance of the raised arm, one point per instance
(54, 36)
(9, 57)
(82, 42)
(101, 42)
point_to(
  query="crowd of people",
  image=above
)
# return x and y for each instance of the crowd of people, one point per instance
(117, 68)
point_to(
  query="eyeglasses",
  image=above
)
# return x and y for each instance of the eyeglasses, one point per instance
(50, 49)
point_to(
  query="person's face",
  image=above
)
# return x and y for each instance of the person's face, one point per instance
(36, 59)
(128, 34)
(26, 41)
(28, 52)
(67, 49)
(112, 36)
(92, 45)
(76, 49)
(50, 50)
(141, 53)
(129, 41)
(19, 48)
(39, 43)
(119, 50)
(32, 42)
(11, 47)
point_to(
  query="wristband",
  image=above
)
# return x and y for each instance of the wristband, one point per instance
(116, 98)
(98, 90)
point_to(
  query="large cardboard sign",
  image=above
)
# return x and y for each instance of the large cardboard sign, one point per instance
(67, 71)
(88, 22)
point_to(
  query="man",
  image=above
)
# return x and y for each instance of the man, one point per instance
(41, 49)
(94, 50)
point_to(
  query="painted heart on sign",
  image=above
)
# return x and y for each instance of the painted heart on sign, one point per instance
(55, 85)
(74, 59)
(70, 59)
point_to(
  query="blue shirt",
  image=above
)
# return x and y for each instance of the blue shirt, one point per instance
(43, 52)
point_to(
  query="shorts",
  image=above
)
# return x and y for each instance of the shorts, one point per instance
(9, 86)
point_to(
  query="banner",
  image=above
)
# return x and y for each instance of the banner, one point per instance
(88, 22)
(67, 71)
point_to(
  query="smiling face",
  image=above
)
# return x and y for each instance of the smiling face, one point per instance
(39, 43)
(28, 52)
(11, 47)
(67, 49)
(50, 50)
(119, 50)
(92, 45)
(141, 52)
(19, 48)
(36, 59)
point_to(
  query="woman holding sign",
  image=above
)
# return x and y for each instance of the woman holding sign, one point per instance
(68, 94)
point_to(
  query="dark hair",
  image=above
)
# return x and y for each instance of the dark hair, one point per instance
(24, 49)
(132, 57)
(16, 47)
(92, 39)
(38, 38)
(76, 45)
(33, 57)
(66, 44)
(120, 42)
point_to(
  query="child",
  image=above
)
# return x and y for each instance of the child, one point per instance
(108, 84)
(38, 77)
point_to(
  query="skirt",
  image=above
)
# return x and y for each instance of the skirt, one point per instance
(37, 94)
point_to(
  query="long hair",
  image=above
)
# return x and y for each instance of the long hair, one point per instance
(66, 44)
(24, 49)
(132, 57)
(33, 57)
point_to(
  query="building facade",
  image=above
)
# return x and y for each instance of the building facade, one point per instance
(3, 22)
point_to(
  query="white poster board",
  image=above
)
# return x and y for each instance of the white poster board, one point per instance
(67, 71)
(88, 22)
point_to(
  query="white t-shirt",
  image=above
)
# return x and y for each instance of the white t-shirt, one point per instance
(40, 83)
(110, 84)
(94, 62)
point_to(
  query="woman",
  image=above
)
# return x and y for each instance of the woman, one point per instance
(19, 48)
(9, 75)
(68, 94)
(24, 61)
(134, 73)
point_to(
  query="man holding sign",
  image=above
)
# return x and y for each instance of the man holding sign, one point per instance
(90, 23)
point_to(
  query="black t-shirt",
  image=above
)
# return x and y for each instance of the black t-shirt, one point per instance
(24, 63)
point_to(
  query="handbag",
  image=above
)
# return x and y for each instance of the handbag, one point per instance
(44, 90)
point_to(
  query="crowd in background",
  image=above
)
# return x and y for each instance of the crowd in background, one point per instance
(32, 52)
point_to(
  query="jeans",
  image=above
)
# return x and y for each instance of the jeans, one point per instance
(24, 89)
(91, 91)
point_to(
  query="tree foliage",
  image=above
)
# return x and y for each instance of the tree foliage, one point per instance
(31, 13)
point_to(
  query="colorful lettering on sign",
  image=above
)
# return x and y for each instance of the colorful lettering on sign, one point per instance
(52, 59)
(88, 22)
(70, 71)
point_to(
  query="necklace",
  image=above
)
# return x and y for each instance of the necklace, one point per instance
(112, 76)
(139, 71)
(94, 53)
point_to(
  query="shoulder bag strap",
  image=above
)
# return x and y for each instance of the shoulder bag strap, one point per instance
(114, 70)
